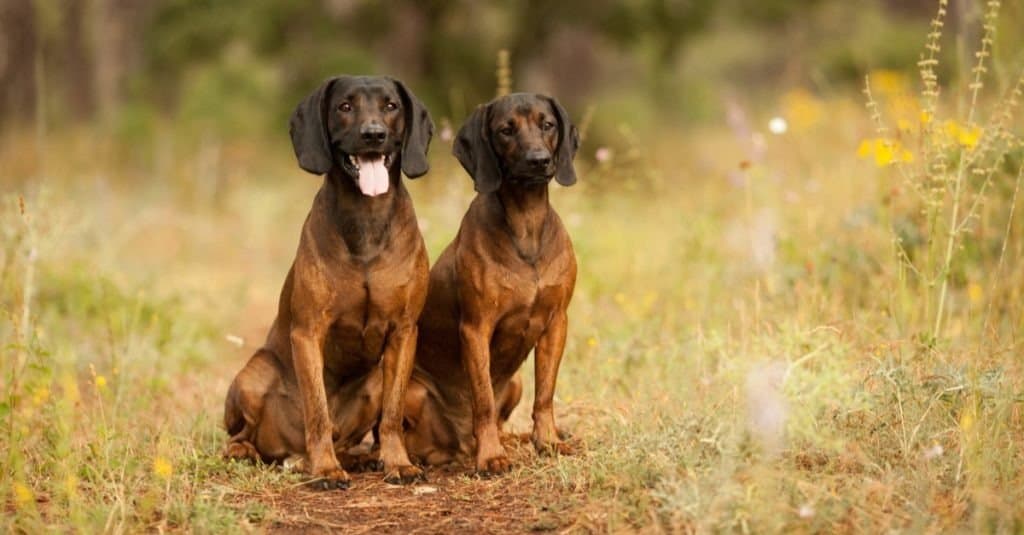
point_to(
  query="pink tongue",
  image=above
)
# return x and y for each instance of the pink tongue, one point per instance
(373, 176)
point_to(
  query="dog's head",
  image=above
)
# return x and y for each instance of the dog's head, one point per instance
(363, 125)
(523, 138)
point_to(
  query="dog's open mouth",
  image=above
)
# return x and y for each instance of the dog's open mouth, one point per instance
(371, 172)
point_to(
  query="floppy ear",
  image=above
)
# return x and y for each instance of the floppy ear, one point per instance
(418, 131)
(568, 144)
(473, 150)
(308, 129)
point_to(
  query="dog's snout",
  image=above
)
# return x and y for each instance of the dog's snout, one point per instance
(373, 133)
(538, 158)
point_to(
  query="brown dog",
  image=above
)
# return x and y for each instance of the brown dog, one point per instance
(499, 290)
(341, 349)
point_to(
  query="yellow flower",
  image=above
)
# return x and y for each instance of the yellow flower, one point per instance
(23, 495)
(888, 81)
(101, 382)
(885, 151)
(802, 109)
(162, 468)
(925, 117)
(40, 396)
(975, 293)
(620, 298)
(592, 342)
(967, 420)
(70, 388)
(965, 137)
(71, 484)
(866, 148)
(968, 137)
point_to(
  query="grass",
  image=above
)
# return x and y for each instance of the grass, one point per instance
(751, 348)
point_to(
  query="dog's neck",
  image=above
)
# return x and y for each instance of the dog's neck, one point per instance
(363, 222)
(525, 211)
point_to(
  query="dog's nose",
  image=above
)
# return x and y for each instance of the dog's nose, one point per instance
(538, 158)
(373, 133)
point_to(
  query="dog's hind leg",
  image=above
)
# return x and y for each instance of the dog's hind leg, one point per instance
(508, 399)
(245, 403)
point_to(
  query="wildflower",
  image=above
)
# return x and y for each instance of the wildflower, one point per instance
(71, 484)
(767, 407)
(40, 396)
(101, 382)
(888, 81)
(446, 133)
(603, 154)
(965, 137)
(935, 451)
(805, 511)
(975, 293)
(926, 117)
(885, 151)
(802, 109)
(23, 495)
(70, 388)
(162, 468)
(966, 420)
(778, 126)
(592, 342)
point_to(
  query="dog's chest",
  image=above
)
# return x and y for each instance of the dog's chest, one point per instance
(367, 310)
(527, 303)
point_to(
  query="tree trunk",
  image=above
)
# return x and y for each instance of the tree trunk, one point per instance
(18, 46)
(79, 90)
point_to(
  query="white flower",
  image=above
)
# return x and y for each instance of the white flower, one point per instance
(933, 452)
(778, 126)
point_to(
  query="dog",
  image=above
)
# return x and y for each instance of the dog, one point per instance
(338, 357)
(498, 291)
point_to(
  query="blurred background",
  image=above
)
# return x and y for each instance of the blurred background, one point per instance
(212, 72)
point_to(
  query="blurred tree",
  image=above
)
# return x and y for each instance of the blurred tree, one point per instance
(76, 61)
(18, 51)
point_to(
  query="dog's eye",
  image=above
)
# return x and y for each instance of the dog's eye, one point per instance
(507, 131)
(547, 125)
(391, 106)
(345, 107)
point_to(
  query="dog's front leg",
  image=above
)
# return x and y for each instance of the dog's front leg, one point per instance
(475, 335)
(548, 356)
(399, 355)
(308, 360)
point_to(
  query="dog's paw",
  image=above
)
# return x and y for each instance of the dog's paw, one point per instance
(403, 475)
(241, 451)
(369, 462)
(493, 466)
(553, 449)
(330, 480)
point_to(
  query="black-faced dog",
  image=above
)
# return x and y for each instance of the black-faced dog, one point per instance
(339, 353)
(499, 290)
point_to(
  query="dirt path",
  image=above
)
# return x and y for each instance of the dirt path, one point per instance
(451, 501)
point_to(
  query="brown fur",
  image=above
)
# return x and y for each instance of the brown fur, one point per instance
(498, 291)
(340, 352)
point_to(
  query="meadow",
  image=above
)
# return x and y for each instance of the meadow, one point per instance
(813, 327)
